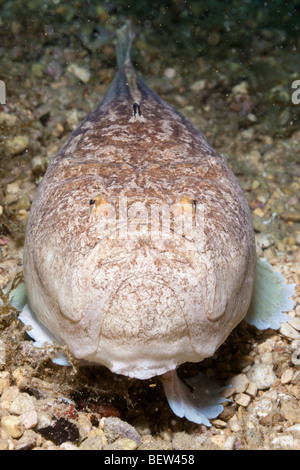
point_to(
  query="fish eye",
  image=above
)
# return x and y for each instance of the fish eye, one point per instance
(92, 201)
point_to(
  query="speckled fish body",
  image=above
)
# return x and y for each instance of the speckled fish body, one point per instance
(139, 305)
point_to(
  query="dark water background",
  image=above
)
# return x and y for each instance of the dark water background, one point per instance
(251, 40)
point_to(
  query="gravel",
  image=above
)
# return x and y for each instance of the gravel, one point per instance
(262, 375)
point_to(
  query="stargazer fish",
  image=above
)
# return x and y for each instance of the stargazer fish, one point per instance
(139, 251)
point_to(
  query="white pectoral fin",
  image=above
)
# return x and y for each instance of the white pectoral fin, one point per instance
(271, 297)
(198, 401)
(18, 296)
(41, 335)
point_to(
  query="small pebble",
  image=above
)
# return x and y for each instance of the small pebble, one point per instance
(287, 330)
(92, 443)
(13, 188)
(13, 426)
(37, 69)
(295, 323)
(263, 407)
(29, 419)
(198, 85)
(267, 358)
(28, 440)
(38, 164)
(127, 444)
(219, 423)
(170, 73)
(252, 389)
(241, 88)
(8, 119)
(290, 216)
(9, 394)
(68, 446)
(234, 424)
(218, 440)
(3, 445)
(243, 399)
(82, 73)
(284, 442)
(287, 376)
(21, 404)
(230, 443)
(259, 212)
(264, 240)
(262, 375)
(115, 428)
(295, 430)
(17, 144)
(239, 382)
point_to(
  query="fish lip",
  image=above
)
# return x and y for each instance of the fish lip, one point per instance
(144, 365)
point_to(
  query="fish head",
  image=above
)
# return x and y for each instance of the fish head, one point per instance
(140, 290)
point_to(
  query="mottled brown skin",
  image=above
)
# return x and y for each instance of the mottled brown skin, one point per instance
(138, 306)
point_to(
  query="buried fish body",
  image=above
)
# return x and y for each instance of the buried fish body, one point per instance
(139, 250)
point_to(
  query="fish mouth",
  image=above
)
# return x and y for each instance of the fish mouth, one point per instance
(136, 306)
(144, 331)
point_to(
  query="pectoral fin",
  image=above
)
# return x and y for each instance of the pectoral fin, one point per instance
(198, 401)
(18, 297)
(270, 298)
(41, 334)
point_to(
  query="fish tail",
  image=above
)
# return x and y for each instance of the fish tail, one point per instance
(125, 37)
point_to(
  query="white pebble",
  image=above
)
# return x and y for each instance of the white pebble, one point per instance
(263, 407)
(284, 442)
(239, 382)
(234, 424)
(79, 72)
(21, 404)
(170, 73)
(230, 442)
(198, 85)
(252, 389)
(295, 430)
(295, 323)
(287, 376)
(29, 419)
(13, 188)
(267, 358)
(287, 330)
(262, 375)
(218, 440)
(242, 399)
(68, 446)
(266, 346)
(264, 240)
